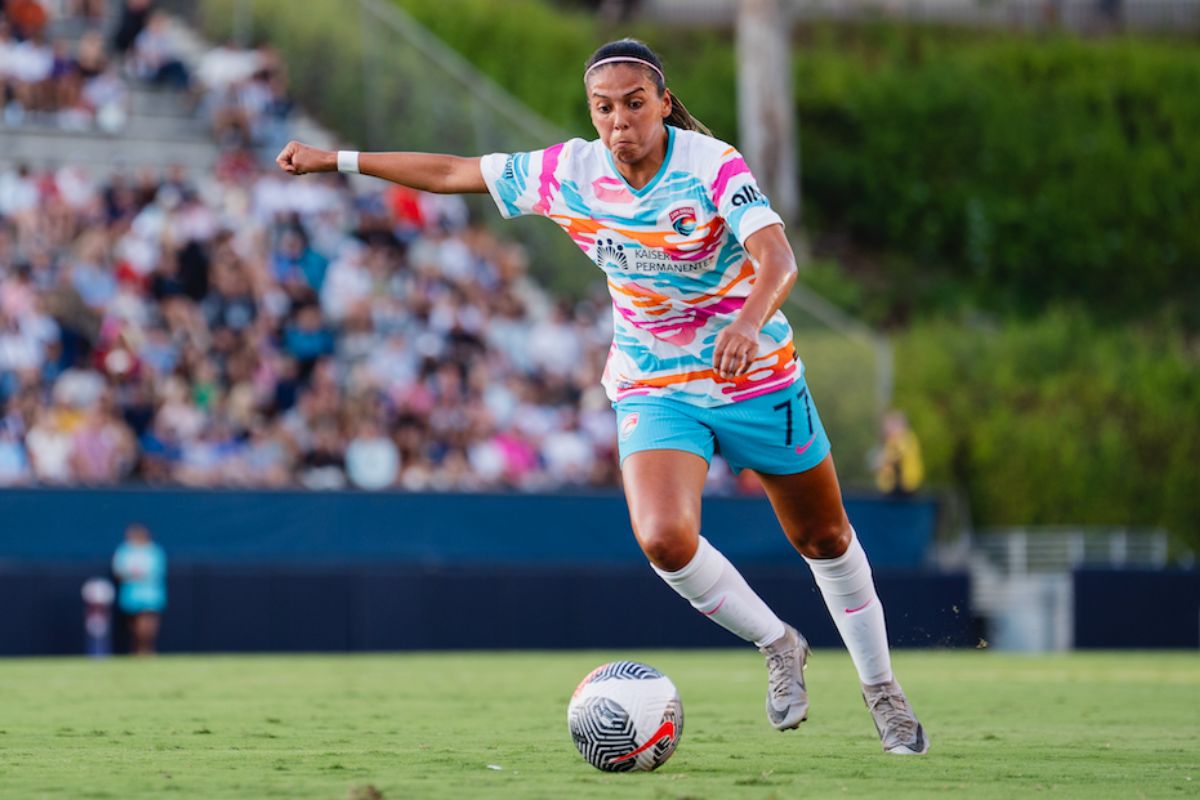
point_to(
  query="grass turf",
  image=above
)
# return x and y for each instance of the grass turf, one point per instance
(493, 725)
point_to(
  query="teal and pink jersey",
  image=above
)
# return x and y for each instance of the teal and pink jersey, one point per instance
(673, 255)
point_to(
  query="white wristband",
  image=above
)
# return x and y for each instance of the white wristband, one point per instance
(347, 161)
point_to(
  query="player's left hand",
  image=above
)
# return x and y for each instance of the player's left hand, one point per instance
(735, 350)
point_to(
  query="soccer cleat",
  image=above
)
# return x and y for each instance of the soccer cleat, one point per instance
(898, 728)
(787, 699)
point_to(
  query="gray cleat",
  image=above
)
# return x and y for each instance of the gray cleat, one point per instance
(899, 730)
(787, 699)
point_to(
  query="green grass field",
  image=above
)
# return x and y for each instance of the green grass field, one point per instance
(494, 726)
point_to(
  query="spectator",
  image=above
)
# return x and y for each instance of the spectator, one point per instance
(155, 54)
(105, 97)
(49, 444)
(28, 17)
(134, 14)
(899, 469)
(90, 58)
(372, 461)
(140, 568)
(30, 68)
(102, 447)
(14, 464)
(324, 462)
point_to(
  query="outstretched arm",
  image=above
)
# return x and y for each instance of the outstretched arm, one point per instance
(428, 172)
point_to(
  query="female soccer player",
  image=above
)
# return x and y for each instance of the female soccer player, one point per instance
(702, 358)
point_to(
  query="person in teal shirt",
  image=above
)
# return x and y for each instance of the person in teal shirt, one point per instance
(140, 567)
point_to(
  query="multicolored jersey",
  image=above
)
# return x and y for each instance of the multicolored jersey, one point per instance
(673, 254)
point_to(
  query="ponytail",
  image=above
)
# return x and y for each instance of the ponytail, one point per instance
(680, 117)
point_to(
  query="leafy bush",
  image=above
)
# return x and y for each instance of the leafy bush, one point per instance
(1058, 420)
(1032, 171)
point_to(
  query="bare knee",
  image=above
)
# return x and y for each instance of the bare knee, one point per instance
(822, 538)
(668, 541)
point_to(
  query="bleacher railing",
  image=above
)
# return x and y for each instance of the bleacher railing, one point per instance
(1023, 551)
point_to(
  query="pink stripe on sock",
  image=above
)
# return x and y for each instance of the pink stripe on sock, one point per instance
(860, 608)
(715, 610)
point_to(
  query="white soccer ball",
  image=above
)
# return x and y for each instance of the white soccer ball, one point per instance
(625, 716)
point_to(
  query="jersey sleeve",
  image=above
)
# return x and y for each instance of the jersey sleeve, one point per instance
(524, 183)
(739, 201)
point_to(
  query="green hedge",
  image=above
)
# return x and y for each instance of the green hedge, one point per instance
(1032, 172)
(1018, 172)
(1059, 420)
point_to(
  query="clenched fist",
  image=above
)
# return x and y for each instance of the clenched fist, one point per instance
(297, 158)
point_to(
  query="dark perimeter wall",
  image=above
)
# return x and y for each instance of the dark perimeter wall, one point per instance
(299, 571)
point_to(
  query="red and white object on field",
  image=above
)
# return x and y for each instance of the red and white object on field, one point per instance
(625, 716)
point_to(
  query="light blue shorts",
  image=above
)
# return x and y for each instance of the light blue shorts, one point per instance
(778, 433)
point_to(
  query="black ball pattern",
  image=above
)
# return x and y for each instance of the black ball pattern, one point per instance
(603, 733)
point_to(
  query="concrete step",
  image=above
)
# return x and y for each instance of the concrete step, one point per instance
(73, 29)
(43, 147)
(167, 129)
(164, 129)
(149, 101)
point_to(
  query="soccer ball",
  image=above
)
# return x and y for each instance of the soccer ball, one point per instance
(625, 716)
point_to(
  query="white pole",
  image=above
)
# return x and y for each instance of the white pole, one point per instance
(766, 104)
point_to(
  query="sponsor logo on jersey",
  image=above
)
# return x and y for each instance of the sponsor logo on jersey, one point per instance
(610, 255)
(628, 425)
(509, 170)
(683, 220)
(650, 259)
(747, 195)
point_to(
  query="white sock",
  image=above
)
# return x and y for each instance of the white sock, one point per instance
(849, 593)
(718, 591)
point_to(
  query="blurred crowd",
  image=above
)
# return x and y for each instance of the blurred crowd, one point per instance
(53, 80)
(270, 331)
(79, 78)
(244, 328)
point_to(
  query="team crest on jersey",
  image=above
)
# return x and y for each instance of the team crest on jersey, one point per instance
(683, 220)
(610, 255)
(628, 425)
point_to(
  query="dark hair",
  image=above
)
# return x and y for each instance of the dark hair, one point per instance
(680, 117)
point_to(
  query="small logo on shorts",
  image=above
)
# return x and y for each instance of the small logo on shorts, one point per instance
(628, 425)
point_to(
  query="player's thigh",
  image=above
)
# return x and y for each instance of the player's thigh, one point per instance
(663, 488)
(781, 438)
